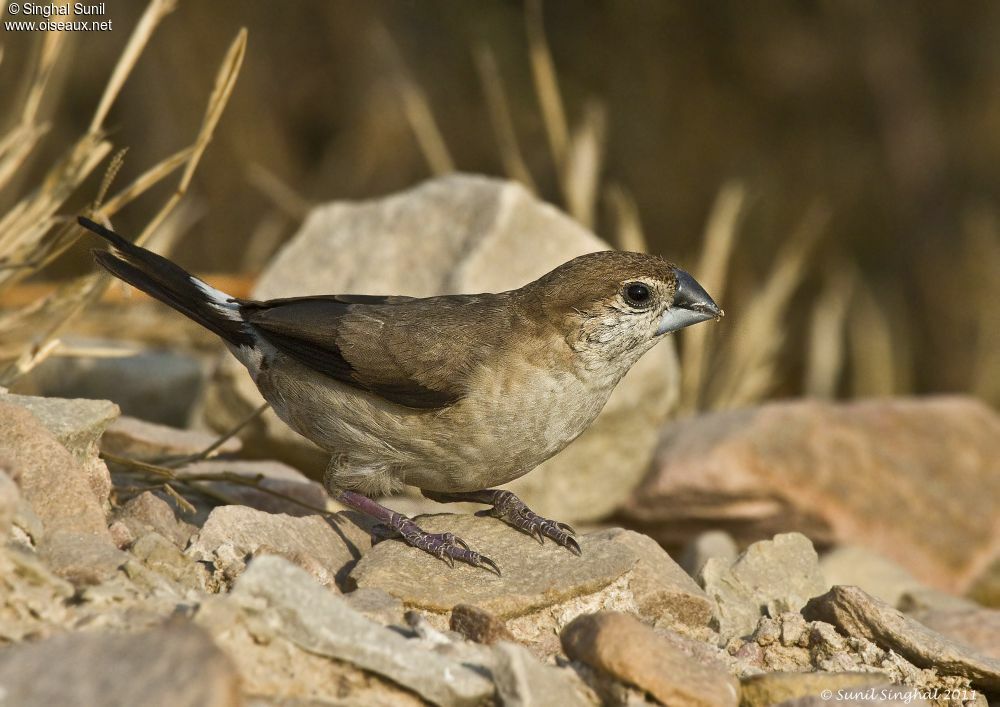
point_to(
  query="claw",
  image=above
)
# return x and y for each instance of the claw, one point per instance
(536, 533)
(572, 545)
(447, 558)
(567, 527)
(487, 563)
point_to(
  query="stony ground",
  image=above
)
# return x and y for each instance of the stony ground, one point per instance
(262, 601)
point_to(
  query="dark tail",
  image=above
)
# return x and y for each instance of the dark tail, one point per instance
(172, 285)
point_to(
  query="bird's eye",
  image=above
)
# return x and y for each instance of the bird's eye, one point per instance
(638, 294)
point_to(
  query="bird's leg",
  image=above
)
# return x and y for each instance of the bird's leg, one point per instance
(445, 546)
(510, 509)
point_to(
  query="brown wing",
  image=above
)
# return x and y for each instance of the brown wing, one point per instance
(412, 352)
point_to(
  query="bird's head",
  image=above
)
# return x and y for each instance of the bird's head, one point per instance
(614, 306)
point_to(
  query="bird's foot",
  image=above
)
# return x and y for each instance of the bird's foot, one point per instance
(512, 511)
(445, 546)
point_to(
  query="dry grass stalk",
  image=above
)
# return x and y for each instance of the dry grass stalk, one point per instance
(873, 363)
(23, 230)
(717, 247)
(825, 352)
(543, 71)
(417, 108)
(583, 164)
(748, 363)
(629, 234)
(500, 118)
(281, 194)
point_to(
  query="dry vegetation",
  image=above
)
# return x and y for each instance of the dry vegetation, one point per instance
(804, 315)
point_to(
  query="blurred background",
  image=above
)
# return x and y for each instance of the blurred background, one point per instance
(830, 169)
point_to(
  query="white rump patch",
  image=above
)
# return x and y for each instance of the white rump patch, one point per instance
(218, 299)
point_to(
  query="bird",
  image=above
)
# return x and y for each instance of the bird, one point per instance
(452, 394)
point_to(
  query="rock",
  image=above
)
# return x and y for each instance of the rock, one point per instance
(161, 555)
(10, 498)
(771, 688)
(148, 512)
(859, 614)
(33, 601)
(275, 477)
(663, 592)
(713, 543)
(985, 589)
(378, 605)
(863, 697)
(76, 542)
(788, 643)
(976, 627)
(147, 441)
(776, 575)
(176, 665)
(166, 397)
(78, 425)
(522, 681)
(478, 625)
(460, 234)
(233, 534)
(287, 602)
(842, 473)
(877, 575)
(632, 652)
(543, 587)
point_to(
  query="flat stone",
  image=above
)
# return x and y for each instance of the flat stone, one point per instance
(149, 512)
(148, 441)
(663, 592)
(478, 625)
(161, 555)
(233, 534)
(836, 472)
(10, 498)
(976, 627)
(713, 543)
(78, 425)
(274, 477)
(776, 576)
(630, 651)
(859, 614)
(522, 681)
(176, 665)
(287, 602)
(379, 606)
(76, 541)
(771, 688)
(166, 397)
(534, 576)
(457, 234)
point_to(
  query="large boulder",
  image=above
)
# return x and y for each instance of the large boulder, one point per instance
(915, 480)
(453, 235)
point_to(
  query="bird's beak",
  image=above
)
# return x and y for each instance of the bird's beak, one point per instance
(691, 305)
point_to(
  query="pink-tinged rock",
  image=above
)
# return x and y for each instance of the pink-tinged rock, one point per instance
(916, 480)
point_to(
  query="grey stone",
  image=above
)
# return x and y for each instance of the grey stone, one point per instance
(166, 397)
(861, 615)
(478, 625)
(630, 651)
(289, 603)
(149, 512)
(713, 543)
(76, 543)
(975, 626)
(378, 605)
(10, 498)
(176, 665)
(460, 234)
(522, 681)
(33, 601)
(836, 472)
(78, 425)
(776, 576)
(876, 574)
(273, 478)
(233, 534)
(772, 688)
(148, 441)
(161, 555)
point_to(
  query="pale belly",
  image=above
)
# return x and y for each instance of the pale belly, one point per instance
(513, 424)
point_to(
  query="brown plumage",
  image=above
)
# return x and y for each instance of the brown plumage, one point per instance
(453, 394)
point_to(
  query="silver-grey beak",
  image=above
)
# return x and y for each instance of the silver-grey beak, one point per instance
(691, 305)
